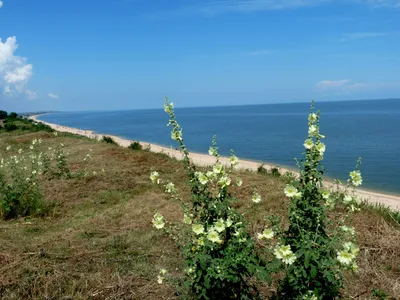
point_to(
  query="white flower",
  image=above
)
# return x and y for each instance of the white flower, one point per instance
(266, 234)
(312, 130)
(158, 221)
(94, 173)
(325, 194)
(34, 172)
(308, 143)
(256, 198)
(170, 188)
(356, 178)
(348, 229)
(202, 178)
(219, 225)
(8, 148)
(347, 199)
(239, 181)
(352, 248)
(176, 135)
(290, 191)
(187, 219)
(285, 254)
(312, 117)
(154, 176)
(224, 181)
(211, 151)
(344, 257)
(214, 237)
(234, 161)
(20, 151)
(31, 147)
(168, 107)
(198, 229)
(218, 168)
(321, 148)
(161, 276)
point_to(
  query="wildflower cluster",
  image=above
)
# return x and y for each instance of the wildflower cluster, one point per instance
(20, 171)
(220, 255)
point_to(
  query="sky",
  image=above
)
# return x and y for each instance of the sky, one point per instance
(128, 54)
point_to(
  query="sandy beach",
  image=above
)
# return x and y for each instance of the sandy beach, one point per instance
(205, 160)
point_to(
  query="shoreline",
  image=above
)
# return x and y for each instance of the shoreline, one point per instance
(372, 197)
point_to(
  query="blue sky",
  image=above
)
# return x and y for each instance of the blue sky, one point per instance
(128, 54)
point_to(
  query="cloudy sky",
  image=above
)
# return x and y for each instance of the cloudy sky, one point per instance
(127, 54)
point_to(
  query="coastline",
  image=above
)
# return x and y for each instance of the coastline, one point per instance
(200, 159)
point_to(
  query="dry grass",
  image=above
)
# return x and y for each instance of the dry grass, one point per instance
(97, 242)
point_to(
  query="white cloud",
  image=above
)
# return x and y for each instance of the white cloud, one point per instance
(345, 87)
(362, 35)
(31, 95)
(260, 53)
(1, 4)
(331, 84)
(53, 96)
(217, 7)
(14, 70)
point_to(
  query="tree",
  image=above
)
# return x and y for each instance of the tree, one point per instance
(3, 114)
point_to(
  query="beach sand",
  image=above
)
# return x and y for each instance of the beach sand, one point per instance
(206, 160)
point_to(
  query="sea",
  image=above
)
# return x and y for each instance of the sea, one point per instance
(270, 133)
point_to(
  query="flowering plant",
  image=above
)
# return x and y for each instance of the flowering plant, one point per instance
(219, 253)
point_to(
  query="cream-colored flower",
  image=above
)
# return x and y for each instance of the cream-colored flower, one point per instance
(285, 253)
(320, 148)
(187, 219)
(202, 178)
(344, 257)
(313, 130)
(218, 168)
(234, 161)
(239, 181)
(312, 117)
(308, 143)
(170, 188)
(290, 191)
(154, 176)
(198, 229)
(158, 221)
(325, 194)
(256, 198)
(219, 225)
(266, 234)
(224, 181)
(214, 237)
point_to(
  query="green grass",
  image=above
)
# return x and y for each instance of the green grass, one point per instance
(97, 240)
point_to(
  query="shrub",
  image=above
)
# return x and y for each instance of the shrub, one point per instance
(13, 115)
(10, 127)
(109, 140)
(135, 145)
(19, 189)
(3, 114)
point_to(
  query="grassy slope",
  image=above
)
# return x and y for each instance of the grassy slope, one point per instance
(98, 242)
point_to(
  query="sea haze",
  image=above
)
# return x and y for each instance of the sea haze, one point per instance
(272, 133)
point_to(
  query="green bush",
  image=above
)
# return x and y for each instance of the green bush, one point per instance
(10, 127)
(13, 115)
(109, 140)
(3, 114)
(135, 145)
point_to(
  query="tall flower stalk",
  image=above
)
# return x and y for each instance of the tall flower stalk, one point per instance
(219, 253)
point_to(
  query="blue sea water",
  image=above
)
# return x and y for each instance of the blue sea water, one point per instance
(271, 133)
